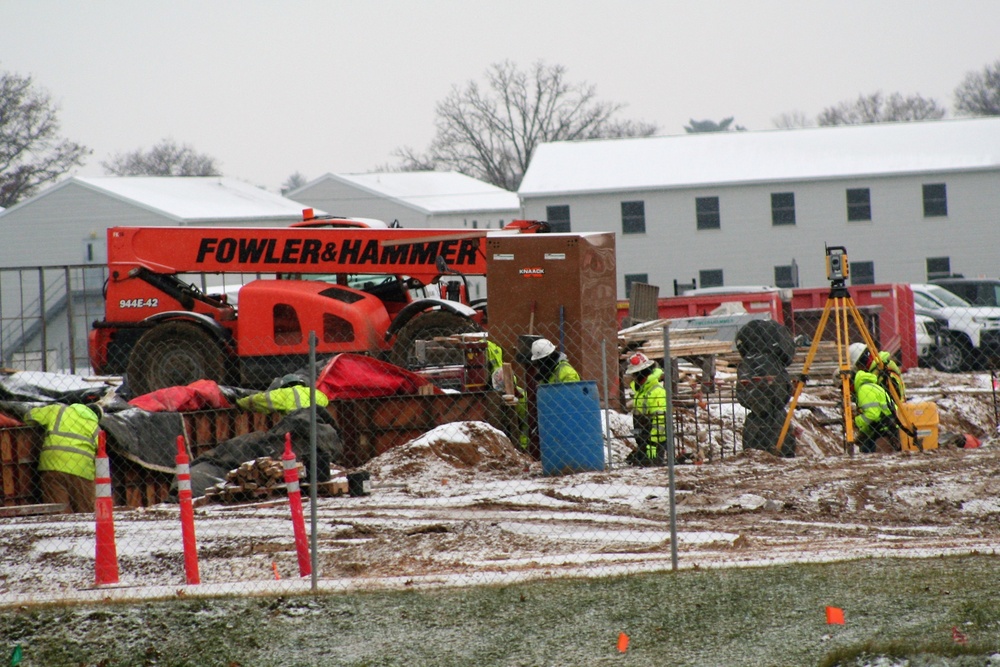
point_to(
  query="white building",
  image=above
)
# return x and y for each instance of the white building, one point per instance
(417, 199)
(45, 314)
(67, 223)
(909, 201)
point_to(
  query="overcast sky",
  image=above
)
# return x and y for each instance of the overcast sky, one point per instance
(269, 88)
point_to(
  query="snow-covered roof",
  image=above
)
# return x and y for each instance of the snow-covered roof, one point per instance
(197, 199)
(729, 158)
(431, 191)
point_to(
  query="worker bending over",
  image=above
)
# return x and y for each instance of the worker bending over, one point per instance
(649, 410)
(287, 394)
(67, 460)
(549, 365)
(862, 360)
(875, 418)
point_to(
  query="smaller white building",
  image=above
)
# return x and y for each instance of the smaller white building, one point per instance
(417, 199)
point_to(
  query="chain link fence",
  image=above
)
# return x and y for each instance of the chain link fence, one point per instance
(466, 457)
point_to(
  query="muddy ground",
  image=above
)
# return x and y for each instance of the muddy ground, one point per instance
(463, 505)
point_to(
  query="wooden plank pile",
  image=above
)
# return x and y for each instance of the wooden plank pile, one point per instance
(647, 337)
(264, 478)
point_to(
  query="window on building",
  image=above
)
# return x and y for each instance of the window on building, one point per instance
(710, 278)
(935, 200)
(938, 267)
(862, 273)
(859, 204)
(634, 278)
(558, 218)
(782, 208)
(786, 276)
(633, 217)
(707, 211)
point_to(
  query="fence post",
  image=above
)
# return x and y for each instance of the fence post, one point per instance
(106, 551)
(187, 513)
(669, 428)
(313, 473)
(607, 407)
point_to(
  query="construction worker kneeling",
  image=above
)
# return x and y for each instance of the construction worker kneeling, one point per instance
(648, 412)
(875, 418)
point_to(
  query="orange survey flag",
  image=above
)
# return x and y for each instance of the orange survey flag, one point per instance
(834, 616)
(622, 642)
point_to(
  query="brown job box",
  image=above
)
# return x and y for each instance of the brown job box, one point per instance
(569, 282)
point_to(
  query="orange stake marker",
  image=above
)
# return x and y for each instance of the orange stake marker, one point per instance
(274, 566)
(834, 616)
(622, 642)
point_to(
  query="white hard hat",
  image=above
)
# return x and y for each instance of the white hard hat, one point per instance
(541, 348)
(638, 362)
(856, 351)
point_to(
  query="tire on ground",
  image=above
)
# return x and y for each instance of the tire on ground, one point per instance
(174, 354)
(763, 384)
(426, 326)
(761, 431)
(766, 337)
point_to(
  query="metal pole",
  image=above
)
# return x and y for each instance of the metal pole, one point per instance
(70, 329)
(669, 428)
(607, 406)
(41, 313)
(313, 547)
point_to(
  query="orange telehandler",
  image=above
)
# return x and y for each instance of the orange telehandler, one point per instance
(360, 286)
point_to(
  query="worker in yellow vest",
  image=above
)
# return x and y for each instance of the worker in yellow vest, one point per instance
(649, 411)
(862, 360)
(69, 450)
(287, 394)
(550, 365)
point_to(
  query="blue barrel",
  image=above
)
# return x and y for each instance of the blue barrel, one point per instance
(569, 428)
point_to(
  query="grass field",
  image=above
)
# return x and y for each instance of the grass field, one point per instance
(751, 616)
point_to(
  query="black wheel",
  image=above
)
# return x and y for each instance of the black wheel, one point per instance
(763, 384)
(174, 354)
(954, 354)
(766, 337)
(426, 326)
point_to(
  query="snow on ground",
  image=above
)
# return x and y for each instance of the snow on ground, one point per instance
(461, 505)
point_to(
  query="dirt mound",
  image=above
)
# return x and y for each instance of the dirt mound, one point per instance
(462, 448)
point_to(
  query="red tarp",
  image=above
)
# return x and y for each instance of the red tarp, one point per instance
(199, 395)
(349, 376)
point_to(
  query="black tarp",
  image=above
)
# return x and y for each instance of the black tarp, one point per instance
(211, 467)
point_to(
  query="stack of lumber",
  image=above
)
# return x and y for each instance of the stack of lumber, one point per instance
(263, 478)
(647, 337)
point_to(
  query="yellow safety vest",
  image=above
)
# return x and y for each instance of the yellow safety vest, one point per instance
(70, 444)
(283, 400)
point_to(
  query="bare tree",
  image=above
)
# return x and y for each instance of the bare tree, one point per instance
(293, 182)
(491, 132)
(31, 152)
(979, 92)
(164, 159)
(875, 108)
(791, 120)
(698, 126)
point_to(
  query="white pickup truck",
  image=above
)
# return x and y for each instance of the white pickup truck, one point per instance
(975, 330)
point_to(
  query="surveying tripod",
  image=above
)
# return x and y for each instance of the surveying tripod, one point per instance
(842, 305)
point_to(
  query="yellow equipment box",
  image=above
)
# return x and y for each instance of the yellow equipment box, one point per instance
(924, 418)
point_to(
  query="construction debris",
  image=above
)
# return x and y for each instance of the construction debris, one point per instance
(263, 478)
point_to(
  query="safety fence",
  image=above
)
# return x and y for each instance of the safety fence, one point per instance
(461, 456)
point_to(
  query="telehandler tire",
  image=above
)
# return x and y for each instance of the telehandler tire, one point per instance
(425, 327)
(174, 354)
